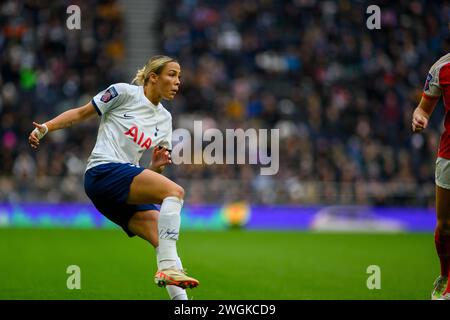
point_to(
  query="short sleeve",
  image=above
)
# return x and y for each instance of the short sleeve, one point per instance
(432, 87)
(110, 98)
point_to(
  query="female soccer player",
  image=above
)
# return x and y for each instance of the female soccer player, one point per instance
(437, 84)
(133, 120)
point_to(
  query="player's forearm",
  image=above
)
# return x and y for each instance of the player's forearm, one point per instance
(65, 120)
(421, 112)
(426, 106)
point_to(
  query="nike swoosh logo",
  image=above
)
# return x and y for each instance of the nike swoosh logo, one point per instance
(168, 234)
(126, 116)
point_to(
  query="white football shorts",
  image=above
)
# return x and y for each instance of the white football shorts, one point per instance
(442, 173)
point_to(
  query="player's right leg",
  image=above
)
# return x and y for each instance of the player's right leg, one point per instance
(442, 241)
(151, 187)
(442, 232)
(145, 225)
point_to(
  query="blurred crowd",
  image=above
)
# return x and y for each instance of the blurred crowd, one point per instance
(46, 69)
(342, 95)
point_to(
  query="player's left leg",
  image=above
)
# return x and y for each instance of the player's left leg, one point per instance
(151, 187)
(145, 225)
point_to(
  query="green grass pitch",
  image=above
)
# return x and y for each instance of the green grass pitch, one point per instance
(229, 264)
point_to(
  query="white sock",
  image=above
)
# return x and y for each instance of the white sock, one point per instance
(168, 229)
(177, 293)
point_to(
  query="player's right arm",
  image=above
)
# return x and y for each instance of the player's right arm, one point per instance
(432, 91)
(64, 120)
(422, 113)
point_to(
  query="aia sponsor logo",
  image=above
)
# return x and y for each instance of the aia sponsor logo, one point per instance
(139, 137)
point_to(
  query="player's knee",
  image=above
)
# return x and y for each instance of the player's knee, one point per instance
(176, 191)
(444, 225)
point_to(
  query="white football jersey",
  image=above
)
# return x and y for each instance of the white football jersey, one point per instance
(130, 124)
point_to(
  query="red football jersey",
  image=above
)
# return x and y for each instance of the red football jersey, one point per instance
(437, 84)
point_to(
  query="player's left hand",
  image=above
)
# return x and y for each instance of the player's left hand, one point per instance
(160, 158)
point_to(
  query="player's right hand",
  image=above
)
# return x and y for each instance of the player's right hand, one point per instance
(37, 134)
(419, 122)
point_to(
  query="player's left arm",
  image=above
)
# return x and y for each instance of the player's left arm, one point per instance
(160, 158)
(161, 153)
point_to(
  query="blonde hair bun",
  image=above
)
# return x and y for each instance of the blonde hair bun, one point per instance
(154, 64)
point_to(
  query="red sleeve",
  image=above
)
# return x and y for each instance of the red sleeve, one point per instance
(444, 75)
(427, 97)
